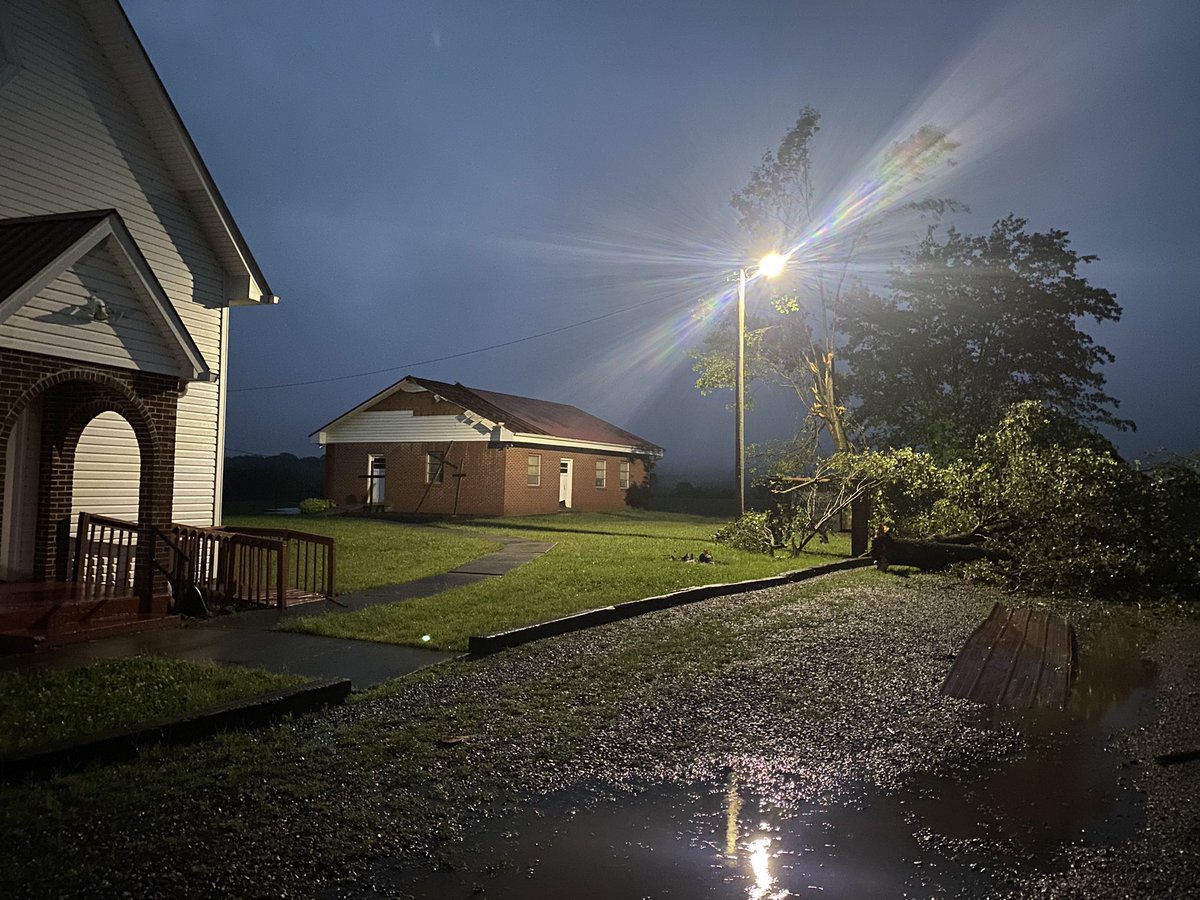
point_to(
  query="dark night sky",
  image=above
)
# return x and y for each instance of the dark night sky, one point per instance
(420, 179)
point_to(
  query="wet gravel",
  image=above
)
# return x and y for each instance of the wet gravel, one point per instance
(816, 694)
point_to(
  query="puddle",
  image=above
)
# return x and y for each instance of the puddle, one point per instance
(938, 835)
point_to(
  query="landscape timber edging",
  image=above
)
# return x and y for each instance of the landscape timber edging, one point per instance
(123, 743)
(483, 644)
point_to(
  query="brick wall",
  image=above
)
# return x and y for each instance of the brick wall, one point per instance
(479, 490)
(495, 479)
(422, 403)
(521, 498)
(585, 496)
(72, 394)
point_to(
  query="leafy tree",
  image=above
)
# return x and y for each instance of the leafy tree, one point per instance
(973, 324)
(794, 344)
(1064, 510)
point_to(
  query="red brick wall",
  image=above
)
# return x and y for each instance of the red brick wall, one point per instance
(72, 395)
(479, 492)
(521, 498)
(585, 496)
(422, 403)
(495, 482)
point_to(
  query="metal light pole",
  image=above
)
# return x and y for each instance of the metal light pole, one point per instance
(770, 266)
(739, 402)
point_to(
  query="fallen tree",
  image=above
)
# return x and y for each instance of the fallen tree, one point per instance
(930, 555)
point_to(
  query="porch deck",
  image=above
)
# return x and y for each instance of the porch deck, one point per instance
(34, 614)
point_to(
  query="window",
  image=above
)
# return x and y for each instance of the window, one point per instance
(534, 477)
(624, 474)
(435, 466)
(601, 473)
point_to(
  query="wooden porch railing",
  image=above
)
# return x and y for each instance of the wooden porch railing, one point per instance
(264, 566)
(267, 567)
(105, 552)
(309, 563)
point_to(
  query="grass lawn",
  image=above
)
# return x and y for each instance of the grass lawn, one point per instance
(375, 553)
(48, 705)
(599, 559)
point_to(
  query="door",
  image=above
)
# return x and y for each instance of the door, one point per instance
(375, 478)
(564, 483)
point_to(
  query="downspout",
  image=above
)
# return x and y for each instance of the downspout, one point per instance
(222, 419)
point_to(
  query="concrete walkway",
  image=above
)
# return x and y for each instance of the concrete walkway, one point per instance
(250, 638)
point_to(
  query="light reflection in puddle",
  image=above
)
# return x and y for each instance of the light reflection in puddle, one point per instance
(940, 835)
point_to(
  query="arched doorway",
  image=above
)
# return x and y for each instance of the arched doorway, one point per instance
(107, 474)
(18, 528)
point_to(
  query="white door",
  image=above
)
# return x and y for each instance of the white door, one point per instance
(564, 483)
(20, 496)
(377, 473)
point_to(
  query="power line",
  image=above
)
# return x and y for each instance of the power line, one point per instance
(425, 362)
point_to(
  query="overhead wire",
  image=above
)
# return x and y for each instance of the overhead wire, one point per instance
(424, 362)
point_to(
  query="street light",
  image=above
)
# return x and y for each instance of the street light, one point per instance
(769, 266)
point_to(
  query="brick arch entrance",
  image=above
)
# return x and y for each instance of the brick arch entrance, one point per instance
(68, 395)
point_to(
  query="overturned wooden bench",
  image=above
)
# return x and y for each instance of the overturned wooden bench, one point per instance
(1017, 657)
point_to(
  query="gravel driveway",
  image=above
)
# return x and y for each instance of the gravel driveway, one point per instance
(754, 745)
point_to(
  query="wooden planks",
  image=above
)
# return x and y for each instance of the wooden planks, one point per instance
(1016, 657)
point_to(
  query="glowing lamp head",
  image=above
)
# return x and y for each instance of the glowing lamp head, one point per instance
(772, 264)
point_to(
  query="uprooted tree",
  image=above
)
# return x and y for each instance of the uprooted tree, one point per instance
(1051, 506)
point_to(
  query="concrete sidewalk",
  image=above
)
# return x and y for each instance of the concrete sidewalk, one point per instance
(251, 639)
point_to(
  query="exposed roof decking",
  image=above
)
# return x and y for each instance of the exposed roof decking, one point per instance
(524, 419)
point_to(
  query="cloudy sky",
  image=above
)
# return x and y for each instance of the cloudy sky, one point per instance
(533, 197)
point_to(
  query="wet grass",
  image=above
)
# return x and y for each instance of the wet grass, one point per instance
(374, 553)
(598, 559)
(44, 706)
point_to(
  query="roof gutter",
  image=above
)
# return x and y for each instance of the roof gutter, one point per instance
(545, 440)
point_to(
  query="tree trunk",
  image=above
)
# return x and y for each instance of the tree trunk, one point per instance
(927, 555)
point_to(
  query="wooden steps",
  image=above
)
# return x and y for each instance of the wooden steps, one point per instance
(37, 614)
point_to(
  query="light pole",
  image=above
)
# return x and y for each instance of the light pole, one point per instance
(769, 266)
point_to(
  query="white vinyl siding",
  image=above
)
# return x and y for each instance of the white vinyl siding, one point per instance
(71, 140)
(401, 426)
(56, 321)
(8, 60)
(107, 470)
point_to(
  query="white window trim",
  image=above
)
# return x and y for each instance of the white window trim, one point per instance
(601, 474)
(623, 472)
(535, 474)
(429, 479)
